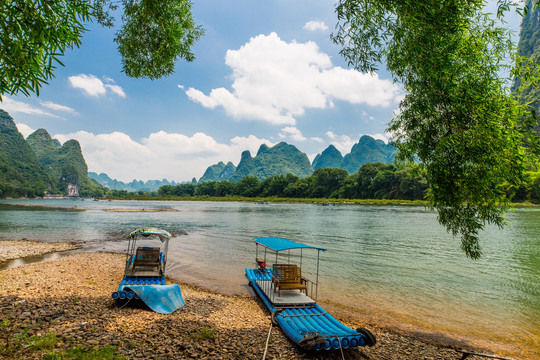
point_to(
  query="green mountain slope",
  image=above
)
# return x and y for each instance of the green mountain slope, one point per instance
(280, 159)
(21, 174)
(65, 165)
(368, 150)
(218, 172)
(329, 158)
(529, 47)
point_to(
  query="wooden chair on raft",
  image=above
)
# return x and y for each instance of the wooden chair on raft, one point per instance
(147, 257)
(287, 277)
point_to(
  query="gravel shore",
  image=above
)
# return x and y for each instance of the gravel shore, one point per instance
(10, 250)
(70, 297)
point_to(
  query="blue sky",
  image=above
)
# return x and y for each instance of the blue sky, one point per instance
(265, 72)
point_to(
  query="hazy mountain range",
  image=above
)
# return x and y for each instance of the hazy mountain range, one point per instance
(135, 185)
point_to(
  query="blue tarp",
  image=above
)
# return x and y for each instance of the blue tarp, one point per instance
(163, 299)
(280, 244)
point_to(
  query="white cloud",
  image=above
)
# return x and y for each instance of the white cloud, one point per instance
(116, 89)
(275, 81)
(291, 133)
(342, 142)
(160, 155)
(93, 86)
(315, 26)
(58, 107)
(24, 129)
(14, 106)
(180, 86)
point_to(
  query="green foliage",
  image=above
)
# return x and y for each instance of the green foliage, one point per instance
(33, 36)
(457, 117)
(372, 181)
(154, 35)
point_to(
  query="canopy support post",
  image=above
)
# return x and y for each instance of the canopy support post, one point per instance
(317, 280)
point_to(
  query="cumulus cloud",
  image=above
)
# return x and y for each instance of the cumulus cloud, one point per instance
(275, 81)
(315, 26)
(161, 155)
(292, 133)
(93, 86)
(14, 106)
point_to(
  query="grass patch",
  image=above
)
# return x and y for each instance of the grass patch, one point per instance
(204, 333)
(84, 353)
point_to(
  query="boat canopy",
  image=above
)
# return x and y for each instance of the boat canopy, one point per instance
(162, 234)
(280, 244)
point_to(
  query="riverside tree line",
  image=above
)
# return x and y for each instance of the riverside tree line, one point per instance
(372, 181)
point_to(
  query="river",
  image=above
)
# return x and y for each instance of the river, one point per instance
(395, 264)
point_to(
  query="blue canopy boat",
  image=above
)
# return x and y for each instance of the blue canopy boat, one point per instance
(284, 291)
(144, 274)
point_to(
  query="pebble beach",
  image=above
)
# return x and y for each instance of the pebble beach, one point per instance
(68, 301)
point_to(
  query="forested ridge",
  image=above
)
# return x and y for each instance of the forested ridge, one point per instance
(372, 181)
(39, 165)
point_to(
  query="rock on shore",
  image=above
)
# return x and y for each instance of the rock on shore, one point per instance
(16, 249)
(71, 297)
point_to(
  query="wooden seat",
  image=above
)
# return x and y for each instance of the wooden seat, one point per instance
(287, 277)
(146, 256)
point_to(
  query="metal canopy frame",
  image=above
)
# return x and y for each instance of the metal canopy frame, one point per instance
(279, 244)
(147, 234)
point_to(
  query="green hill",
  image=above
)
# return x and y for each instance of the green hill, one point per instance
(529, 47)
(281, 159)
(21, 174)
(65, 165)
(368, 150)
(218, 172)
(329, 158)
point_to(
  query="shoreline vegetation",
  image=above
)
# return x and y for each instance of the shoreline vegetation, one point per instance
(62, 309)
(235, 198)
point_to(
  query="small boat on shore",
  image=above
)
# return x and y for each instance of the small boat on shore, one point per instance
(291, 299)
(144, 274)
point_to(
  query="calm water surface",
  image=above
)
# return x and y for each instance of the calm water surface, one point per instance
(394, 263)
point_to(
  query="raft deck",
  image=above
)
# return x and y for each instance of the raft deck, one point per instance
(302, 319)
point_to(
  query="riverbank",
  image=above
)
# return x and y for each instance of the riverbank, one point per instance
(16, 249)
(64, 305)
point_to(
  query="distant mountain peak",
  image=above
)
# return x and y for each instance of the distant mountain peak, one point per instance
(280, 159)
(263, 148)
(329, 158)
